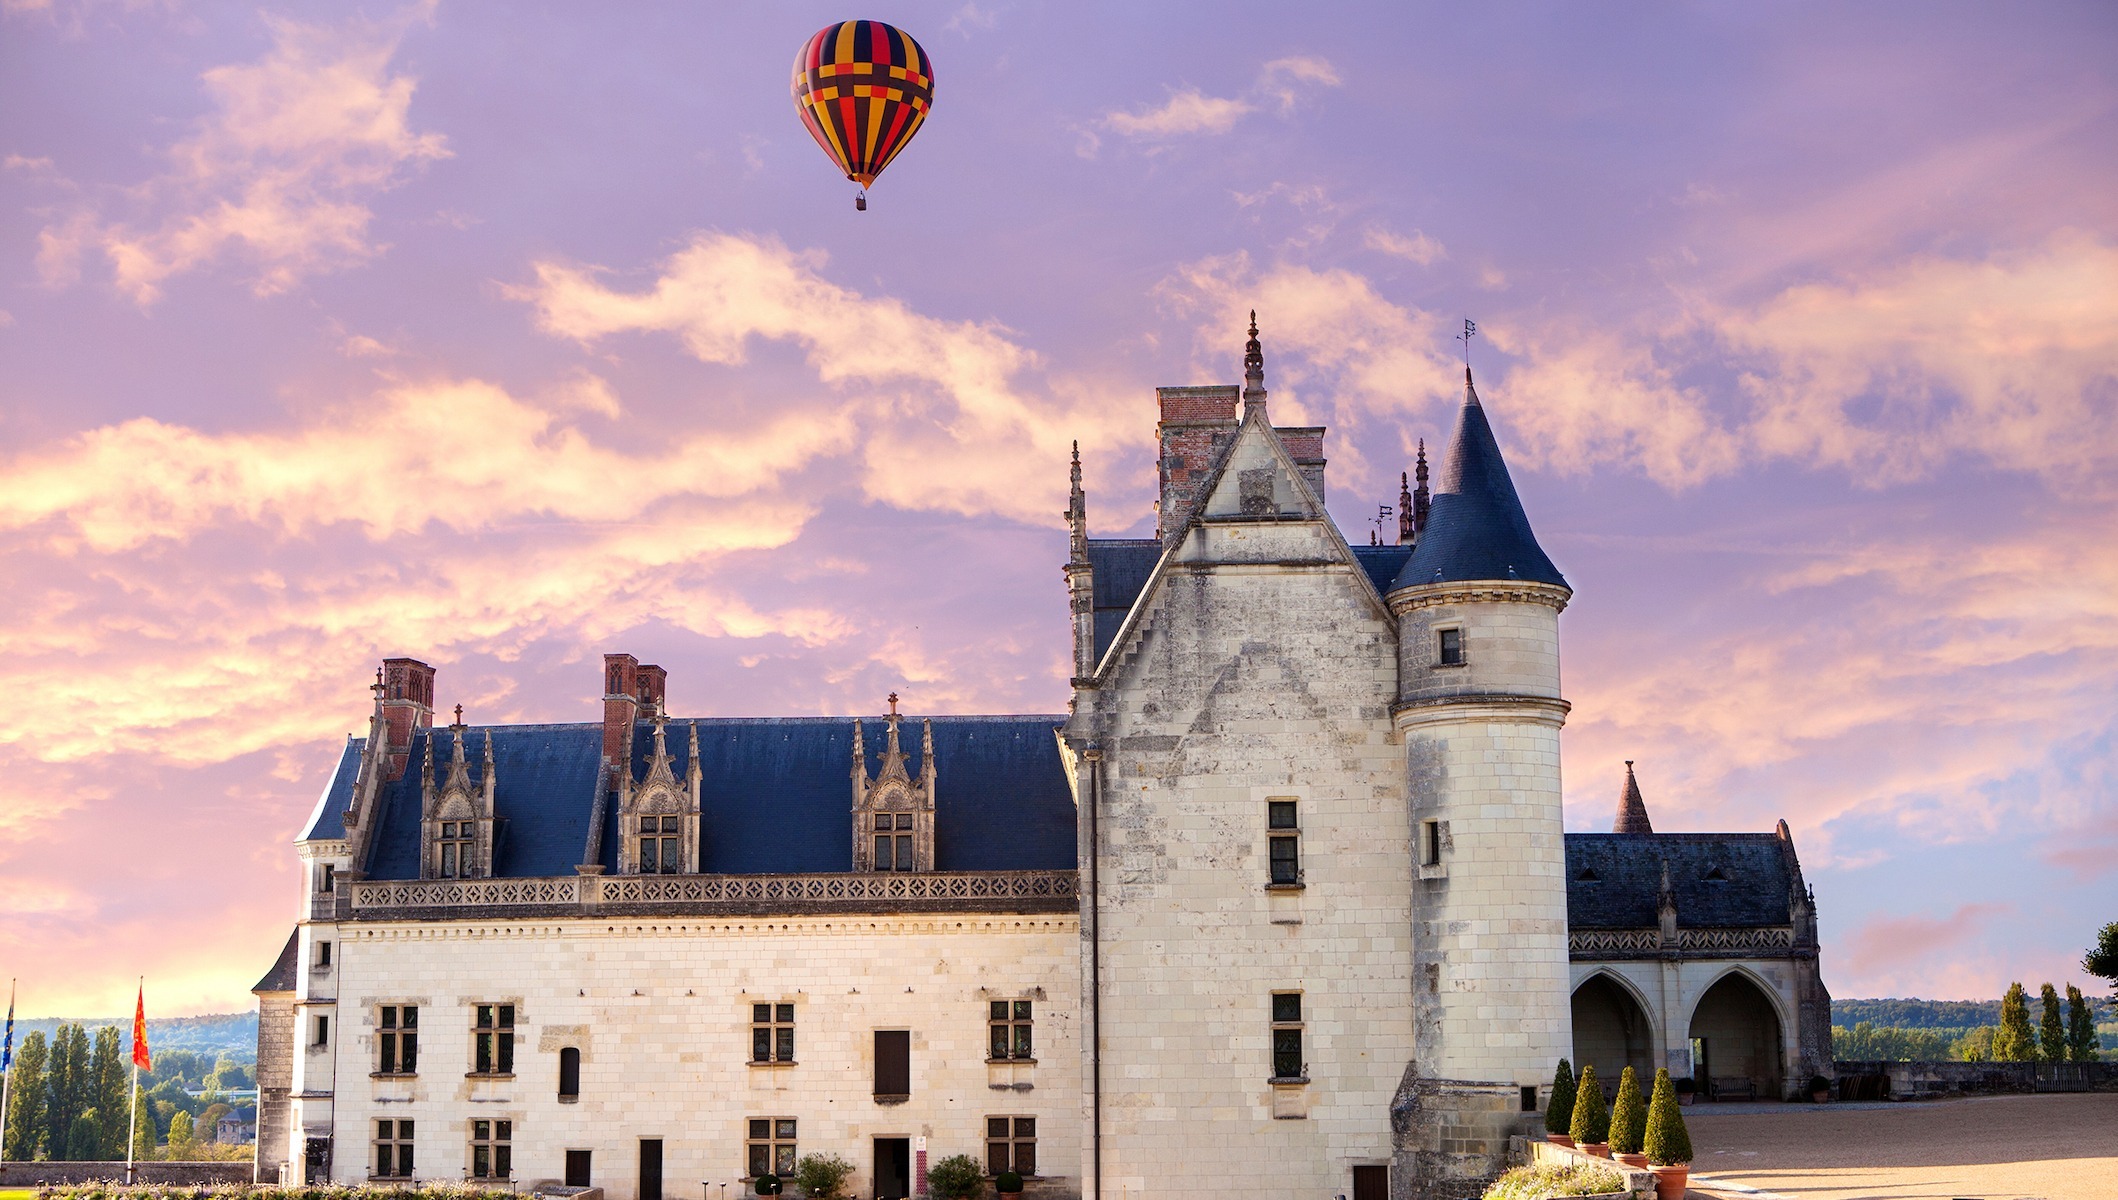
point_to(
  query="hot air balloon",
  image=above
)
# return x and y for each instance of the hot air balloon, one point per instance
(863, 89)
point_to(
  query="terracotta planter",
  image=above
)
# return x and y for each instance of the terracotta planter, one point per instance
(1685, 1098)
(1819, 1097)
(1669, 1181)
(1637, 1162)
(1560, 1139)
(1599, 1149)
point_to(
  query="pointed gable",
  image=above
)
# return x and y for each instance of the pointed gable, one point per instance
(1476, 529)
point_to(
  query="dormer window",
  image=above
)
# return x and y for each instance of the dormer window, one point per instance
(893, 808)
(660, 849)
(453, 848)
(1716, 875)
(1588, 875)
(1448, 647)
(893, 841)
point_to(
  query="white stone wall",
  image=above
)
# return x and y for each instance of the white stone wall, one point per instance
(1263, 670)
(660, 1009)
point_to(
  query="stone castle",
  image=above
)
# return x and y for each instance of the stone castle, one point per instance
(1283, 905)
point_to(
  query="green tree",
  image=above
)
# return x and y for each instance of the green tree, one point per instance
(183, 1139)
(822, 1176)
(2102, 958)
(27, 1101)
(2014, 1042)
(1976, 1045)
(2051, 1028)
(1628, 1115)
(107, 1065)
(2081, 1027)
(84, 1142)
(1559, 1110)
(1668, 1142)
(67, 1086)
(957, 1177)
(1592, 1120)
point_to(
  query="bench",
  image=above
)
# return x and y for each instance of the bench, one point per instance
(1729, 1087)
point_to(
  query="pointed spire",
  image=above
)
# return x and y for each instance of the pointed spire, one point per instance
(860, 751)
(660, 719)
(1253, 370)
(1077, 514)
(1406, 531)
(1632, 810)
(926, 754)
(1421, 501)
(1476, 528)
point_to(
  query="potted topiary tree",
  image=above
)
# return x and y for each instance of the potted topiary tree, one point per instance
(1007, 1183)
(1819, 1089)
(1559, 1110)
(766, 1185)
(1629, 1121)
(1668, 1143)
(1592, 1121)
(957, 1177)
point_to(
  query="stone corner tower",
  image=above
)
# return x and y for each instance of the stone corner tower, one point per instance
(1479, 712)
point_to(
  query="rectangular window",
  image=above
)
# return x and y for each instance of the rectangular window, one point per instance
(490, 1149)
(327, 879)
(659, 854)
(893, 1063)
(771, 1146)
(1011, 1145)
(323, 955)
(323, 1031)
(1008, 1022)
(493, 1040)
(1284, 839)
(893, 841)
(393, 1149)
(1430, 843)
(1448, 647)
(454, 846)
(771, 1033)
(397, 1040)
(1287, 1060)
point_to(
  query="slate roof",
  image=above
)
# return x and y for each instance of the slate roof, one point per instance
(1121, 567)
(283, 975)
(775, 794)
(1382, 563)
(1476, 529)
(1627, 868)
(329, 820)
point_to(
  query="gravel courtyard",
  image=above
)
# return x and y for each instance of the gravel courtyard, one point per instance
(2058, 1147)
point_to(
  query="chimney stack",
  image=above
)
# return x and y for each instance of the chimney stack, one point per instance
(654, 684)
(621, 705)
(1196, 424)
(407, 701)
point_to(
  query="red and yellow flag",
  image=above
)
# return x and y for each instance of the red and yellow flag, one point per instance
(139, 1032)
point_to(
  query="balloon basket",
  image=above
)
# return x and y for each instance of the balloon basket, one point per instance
(860, 202)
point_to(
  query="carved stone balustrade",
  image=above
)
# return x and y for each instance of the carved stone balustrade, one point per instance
(715, 895)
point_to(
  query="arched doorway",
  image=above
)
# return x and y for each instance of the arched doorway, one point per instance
(1612, 1031)
(1736, 1044)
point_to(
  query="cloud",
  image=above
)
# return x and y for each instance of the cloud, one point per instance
(1189, 111)
(1886, 942)
(958, 397)
(1418, 248)
(278, 176)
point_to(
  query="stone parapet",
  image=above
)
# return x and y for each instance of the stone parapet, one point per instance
(1585, 945)
(714, 895)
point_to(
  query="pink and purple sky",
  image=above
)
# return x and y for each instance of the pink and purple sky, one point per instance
(507, 335)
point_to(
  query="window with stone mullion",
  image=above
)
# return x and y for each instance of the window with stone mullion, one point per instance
(453, 850)
(393, 1149)
(893, 841)
(491, 1153)
(494, 1040)
(1010, 1023)
(660, 853)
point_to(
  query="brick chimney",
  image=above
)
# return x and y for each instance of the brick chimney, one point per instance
(1197, 423)
(654, 685)
(1305, 445)
(407, 705)
(621, 705)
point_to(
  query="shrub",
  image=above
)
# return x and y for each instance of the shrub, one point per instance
(1535, 1183)
(1628, 1115)
(958, 1177)
(1668, 1143)
(1592, 1120)
(1559, 1111)
(766, 1185)
(251, 1191)
(1008, 1183)
(822, 1176)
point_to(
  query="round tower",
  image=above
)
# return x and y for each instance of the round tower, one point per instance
(1479, 711)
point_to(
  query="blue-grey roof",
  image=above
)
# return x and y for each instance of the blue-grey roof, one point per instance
(330, 822)
(775, 794)
(1476, 529)
(285, 969)
(1381, 563)
(1614, 880)
(1121, 567)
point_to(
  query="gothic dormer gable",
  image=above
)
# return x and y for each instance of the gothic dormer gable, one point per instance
(893, 810)
(457, 817)
(658, 812)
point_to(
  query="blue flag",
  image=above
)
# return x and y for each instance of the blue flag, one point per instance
(7, 1048)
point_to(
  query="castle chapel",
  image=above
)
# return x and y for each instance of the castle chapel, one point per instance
(1282, 906)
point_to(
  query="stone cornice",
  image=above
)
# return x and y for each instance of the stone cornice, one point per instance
(1495, 591)
(1549, 710)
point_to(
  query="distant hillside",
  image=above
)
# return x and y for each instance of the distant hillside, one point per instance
(1939, 1014)
(230, 1034)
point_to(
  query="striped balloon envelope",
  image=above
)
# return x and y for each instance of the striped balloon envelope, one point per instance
(863, 88)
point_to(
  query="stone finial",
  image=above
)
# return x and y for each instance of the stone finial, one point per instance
(1421, 498)
(1076, 514)
(1253, 370)
(1405, 530)
(1632, 809)
(459, 718)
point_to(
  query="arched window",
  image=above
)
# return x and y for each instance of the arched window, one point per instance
(570, 1073)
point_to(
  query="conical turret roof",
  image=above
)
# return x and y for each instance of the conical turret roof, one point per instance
(1632, 810)
(1476, 529)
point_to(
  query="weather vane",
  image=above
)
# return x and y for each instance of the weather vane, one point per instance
(1470, 330)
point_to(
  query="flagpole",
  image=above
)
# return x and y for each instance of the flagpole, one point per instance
(132, 1123)
(7, 1076)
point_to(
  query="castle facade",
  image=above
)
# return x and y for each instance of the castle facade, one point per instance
(1283, 905)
